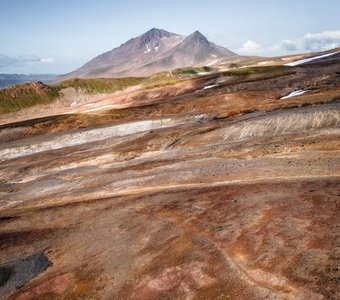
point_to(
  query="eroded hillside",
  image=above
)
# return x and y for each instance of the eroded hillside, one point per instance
(208, 188)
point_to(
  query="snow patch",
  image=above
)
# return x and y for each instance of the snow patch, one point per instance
(261, 63)
(293, 94)
(302, 61)
(211, 63)
(86, 136)
(102, 107)
(148, 49)
(209, 86)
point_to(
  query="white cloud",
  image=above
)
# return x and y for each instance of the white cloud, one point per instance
(22, 61)
(46, 60)
(310, 42)
(249, 47)
(321, 41)
(6, 61)
(254, 48)
(289, 45)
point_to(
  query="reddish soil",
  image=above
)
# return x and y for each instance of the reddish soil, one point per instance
(237, 198)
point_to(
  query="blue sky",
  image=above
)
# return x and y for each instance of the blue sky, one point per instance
(57, 36)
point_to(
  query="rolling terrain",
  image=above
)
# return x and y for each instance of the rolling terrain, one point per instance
(189, 184)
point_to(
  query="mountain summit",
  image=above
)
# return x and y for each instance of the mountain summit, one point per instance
(154, 51)
(197, 36)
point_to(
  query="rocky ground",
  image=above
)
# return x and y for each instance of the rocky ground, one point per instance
(214, 188)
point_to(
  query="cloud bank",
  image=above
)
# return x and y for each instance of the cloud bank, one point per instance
(321, 41)
(22, 61)
(309, 43)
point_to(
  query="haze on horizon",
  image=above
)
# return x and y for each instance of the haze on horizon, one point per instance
(59, 36)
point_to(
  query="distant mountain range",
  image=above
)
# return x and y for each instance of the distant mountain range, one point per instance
(154, 51)
(7, 80)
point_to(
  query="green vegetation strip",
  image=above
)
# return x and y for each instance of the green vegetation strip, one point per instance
(16, 98)
(101, 85)
(27, 95)
(252, 70)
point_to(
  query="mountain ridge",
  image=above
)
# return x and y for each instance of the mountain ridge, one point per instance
(154, 51)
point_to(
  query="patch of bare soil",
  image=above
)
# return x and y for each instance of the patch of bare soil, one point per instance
(221, 193)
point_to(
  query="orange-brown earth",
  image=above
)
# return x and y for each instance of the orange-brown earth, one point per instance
(183, 192)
